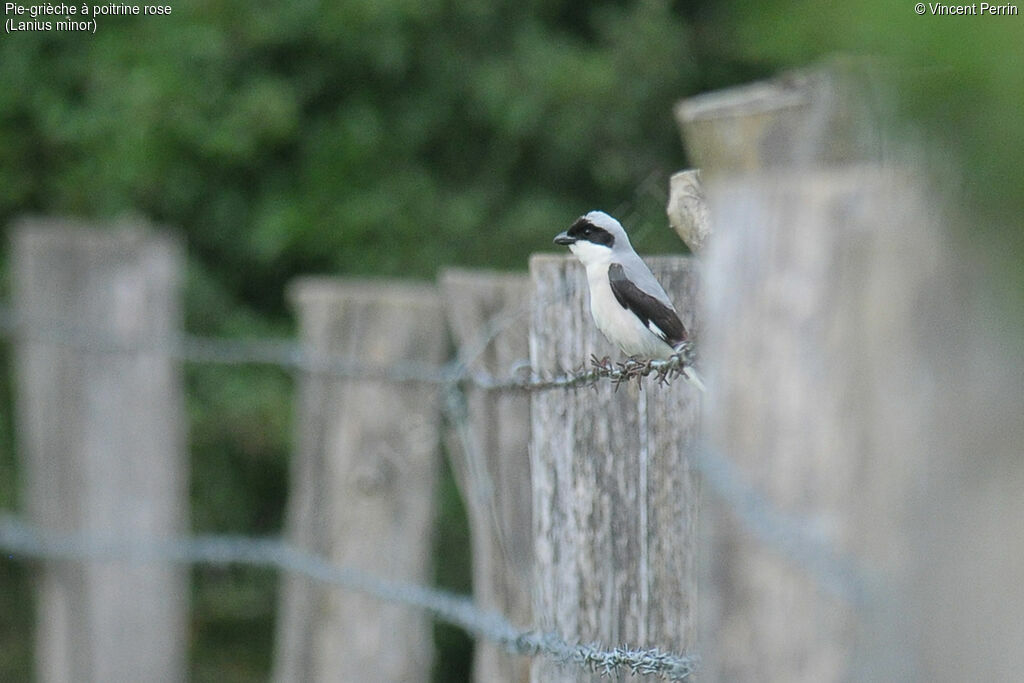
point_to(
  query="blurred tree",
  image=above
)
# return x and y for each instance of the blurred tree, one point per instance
(368, 137)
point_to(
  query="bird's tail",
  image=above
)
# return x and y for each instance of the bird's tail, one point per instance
(690, 373)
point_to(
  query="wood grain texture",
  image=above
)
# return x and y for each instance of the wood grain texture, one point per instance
(363, 481)
(102, 441)
(614, 494)
(488, 314)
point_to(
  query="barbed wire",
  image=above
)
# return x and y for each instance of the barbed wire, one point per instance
(293, 356)
(795, 538)
(283, 353)
(619, 372)
(29, 542)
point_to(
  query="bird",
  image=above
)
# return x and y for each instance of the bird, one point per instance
(629, 306)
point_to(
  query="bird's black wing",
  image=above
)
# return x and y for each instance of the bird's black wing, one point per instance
(659, 318)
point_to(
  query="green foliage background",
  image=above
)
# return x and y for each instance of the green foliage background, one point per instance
(389, 138)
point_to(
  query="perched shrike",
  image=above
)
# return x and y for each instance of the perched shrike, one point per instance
(629, 306)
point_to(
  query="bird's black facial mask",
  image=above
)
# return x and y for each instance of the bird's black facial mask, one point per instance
(583, 230)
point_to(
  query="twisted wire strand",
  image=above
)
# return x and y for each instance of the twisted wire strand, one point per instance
(795, 538)
(293, 356)
(28, 542)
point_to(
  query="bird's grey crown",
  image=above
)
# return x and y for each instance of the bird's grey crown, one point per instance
(605, 230)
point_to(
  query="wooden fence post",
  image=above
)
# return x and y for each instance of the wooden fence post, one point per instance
(363, 480)
(100, 410)
(488, 314)
(687, 209)
(824, 275)
(809, 118)
(614, 492)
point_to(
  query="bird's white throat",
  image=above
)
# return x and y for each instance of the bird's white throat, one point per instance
(591, 254)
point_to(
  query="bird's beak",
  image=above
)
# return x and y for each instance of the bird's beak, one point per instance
(564, 239)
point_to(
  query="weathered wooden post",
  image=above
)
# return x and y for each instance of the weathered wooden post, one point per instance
(823, 277)
(101, 434)
(614, 492)
(363, 479)
(687, 209)
(488, 314)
